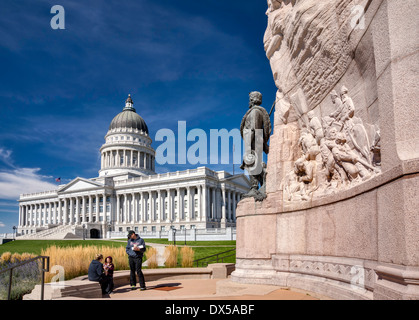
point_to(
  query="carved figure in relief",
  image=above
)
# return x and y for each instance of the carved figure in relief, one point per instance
(338, 146)
(315, 127)
(309, 145)
(301, 182)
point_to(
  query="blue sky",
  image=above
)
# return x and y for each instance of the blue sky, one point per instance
(185, 60)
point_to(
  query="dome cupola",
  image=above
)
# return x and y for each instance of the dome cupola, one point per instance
(128, 119)
(128, 144)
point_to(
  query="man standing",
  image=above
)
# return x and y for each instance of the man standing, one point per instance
(135, 250)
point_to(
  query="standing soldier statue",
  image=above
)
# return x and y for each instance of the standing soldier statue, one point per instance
(255, 130)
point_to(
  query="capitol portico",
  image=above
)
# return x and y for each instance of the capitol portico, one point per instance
(128, 194)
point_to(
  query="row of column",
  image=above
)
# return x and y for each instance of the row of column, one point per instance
(69, 210)
(192, 203)
(127, 158)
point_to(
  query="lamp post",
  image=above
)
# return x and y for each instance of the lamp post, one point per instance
(84, 227)
(14, 232)
(109, 230)
(174, 234)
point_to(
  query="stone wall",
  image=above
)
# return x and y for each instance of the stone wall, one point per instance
(341, 214)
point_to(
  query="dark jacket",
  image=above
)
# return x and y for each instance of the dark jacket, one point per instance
(130, 245)
(95, 270)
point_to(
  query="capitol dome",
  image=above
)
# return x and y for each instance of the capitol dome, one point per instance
(127, 145)
(128, 119)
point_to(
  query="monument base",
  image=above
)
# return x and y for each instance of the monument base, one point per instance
(360, 245)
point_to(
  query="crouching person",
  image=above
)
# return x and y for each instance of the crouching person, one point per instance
(95, 272)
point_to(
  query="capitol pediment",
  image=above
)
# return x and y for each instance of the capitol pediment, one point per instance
(80, 184)
(241, 180)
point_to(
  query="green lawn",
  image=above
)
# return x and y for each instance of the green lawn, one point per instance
(36, 246)
(202, 248)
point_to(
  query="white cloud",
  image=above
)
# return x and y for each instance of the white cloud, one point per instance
(15, 182)
(2, 225)
(5, 157)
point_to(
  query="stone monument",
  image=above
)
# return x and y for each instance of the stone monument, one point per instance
(340, 214)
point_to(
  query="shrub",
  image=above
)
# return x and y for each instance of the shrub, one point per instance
(171, 253)
(187, 254)
(24, 277)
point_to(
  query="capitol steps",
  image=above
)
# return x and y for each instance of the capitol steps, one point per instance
(59, 232)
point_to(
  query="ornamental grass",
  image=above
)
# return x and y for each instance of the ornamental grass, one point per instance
(171, 253)
(75, 261)
(151, 256)
(187, 254)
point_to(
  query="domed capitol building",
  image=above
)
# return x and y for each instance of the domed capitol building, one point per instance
(129, 195)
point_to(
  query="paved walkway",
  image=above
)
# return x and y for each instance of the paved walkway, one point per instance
(194, 289)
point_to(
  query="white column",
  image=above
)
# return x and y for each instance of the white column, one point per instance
(203, 209)
(54, 213)
(44, 214)
(105, 212)
(199, 209)
(229, 205)
(38, 214)
(90, 208)
(23, 216)
(223, 208)
(136, 206)
(111, 204)
(19, 223)
(29, 215)
(97, 207)
(117, 209)
(160, 207)
(233, 218)
(83, 209)
(124, 209)
(71, 211)
(213, 204)
(151, 216)
(178, 204)
(65, 213)
(191, 209)
(58, 214)
(132, 206)
(169, 215)
(49, 220)
(26, 215)
(77, 210)
(111, 210)
(143, 207)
